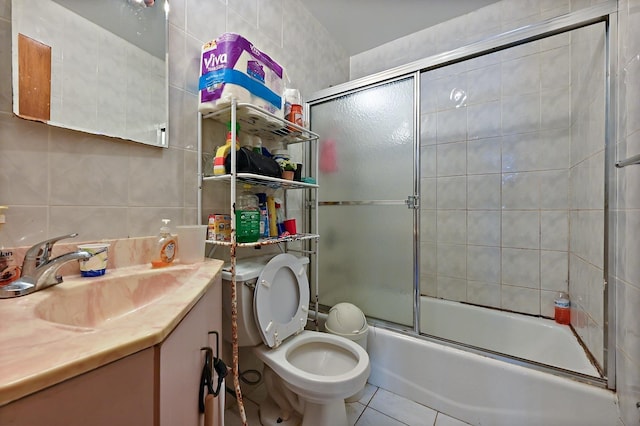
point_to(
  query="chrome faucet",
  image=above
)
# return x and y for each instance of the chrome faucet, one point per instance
(39, 271)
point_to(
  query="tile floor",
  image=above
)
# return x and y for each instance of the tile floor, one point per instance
(377, 407)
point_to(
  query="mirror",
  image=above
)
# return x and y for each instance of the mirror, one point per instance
(98, 67)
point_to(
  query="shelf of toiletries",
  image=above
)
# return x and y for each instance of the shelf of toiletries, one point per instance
(258, 122)
(266, 181)
(269, 241)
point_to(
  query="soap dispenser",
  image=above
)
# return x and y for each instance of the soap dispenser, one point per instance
(166, 248)
(9, 271)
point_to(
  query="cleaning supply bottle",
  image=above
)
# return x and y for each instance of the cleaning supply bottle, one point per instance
(562, 306)
(293, 106)
(223, 151)
(279, 216)
(257, 145)
(264, 215)
(247, 218)
(166, 247)
(9, 271)
(271, 209)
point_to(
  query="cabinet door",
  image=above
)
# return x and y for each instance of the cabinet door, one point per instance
(120, 393)
(181, 360)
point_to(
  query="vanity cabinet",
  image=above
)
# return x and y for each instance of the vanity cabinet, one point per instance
(155, 386)
(120, 393)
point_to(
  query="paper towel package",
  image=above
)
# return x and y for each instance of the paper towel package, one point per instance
(232, 67)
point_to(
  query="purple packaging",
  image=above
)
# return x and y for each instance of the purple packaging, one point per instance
(232, 67)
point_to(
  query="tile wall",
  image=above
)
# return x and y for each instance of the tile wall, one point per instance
(586, 188)
(57, 181)
(627, 252)
(494, 205)
(490, 20)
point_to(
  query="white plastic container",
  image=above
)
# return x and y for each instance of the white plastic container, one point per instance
(348, 321)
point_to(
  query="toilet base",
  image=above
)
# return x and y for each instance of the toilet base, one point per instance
(355, 397)
(332, 413)
(270, 415)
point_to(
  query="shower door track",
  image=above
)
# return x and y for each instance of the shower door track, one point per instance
(604, 12)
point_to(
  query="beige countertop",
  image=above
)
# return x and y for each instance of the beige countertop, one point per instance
(36, 353)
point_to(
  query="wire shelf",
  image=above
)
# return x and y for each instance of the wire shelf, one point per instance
(269, 241)
(256, 121)
(253, 179)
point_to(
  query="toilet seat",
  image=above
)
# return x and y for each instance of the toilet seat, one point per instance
(281, 299)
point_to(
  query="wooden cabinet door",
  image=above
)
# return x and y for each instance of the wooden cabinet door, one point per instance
(181, 360)
(120, 393)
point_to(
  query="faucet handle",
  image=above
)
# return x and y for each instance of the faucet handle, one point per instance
(40, 252)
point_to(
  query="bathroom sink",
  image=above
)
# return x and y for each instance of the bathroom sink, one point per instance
(90, 303)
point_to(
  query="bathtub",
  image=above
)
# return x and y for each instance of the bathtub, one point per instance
(481, 390)
(531, 338)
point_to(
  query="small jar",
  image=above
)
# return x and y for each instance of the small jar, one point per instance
(562, 306)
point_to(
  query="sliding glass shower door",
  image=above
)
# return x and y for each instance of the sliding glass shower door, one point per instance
(366, 177)
(507, 146)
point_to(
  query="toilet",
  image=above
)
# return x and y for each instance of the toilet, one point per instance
(308, 374)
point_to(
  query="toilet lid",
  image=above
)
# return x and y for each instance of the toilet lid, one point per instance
(281, 299)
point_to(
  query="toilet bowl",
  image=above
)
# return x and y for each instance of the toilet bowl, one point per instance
(318, 366)
(313, 372)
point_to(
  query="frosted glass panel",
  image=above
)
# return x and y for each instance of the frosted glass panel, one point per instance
(366, 139)
(366, 162)
(366, 259)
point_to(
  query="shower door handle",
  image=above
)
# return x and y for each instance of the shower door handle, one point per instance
(413, 202)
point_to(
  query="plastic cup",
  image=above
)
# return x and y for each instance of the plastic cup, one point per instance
(191, 243)
(96, 265)
(290, 226)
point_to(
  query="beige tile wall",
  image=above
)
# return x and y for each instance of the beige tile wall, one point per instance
(627, 252)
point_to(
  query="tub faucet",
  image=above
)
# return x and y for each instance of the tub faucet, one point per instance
(39, 271)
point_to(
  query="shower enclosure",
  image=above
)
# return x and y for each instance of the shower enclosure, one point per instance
(477, 177)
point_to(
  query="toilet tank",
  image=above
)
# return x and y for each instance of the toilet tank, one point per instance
(247, 272)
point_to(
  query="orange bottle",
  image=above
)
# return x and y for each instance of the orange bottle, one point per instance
(166, 247)
(562, 309)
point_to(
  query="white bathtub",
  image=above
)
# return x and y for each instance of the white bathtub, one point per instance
(482, 390)
(531, 338)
